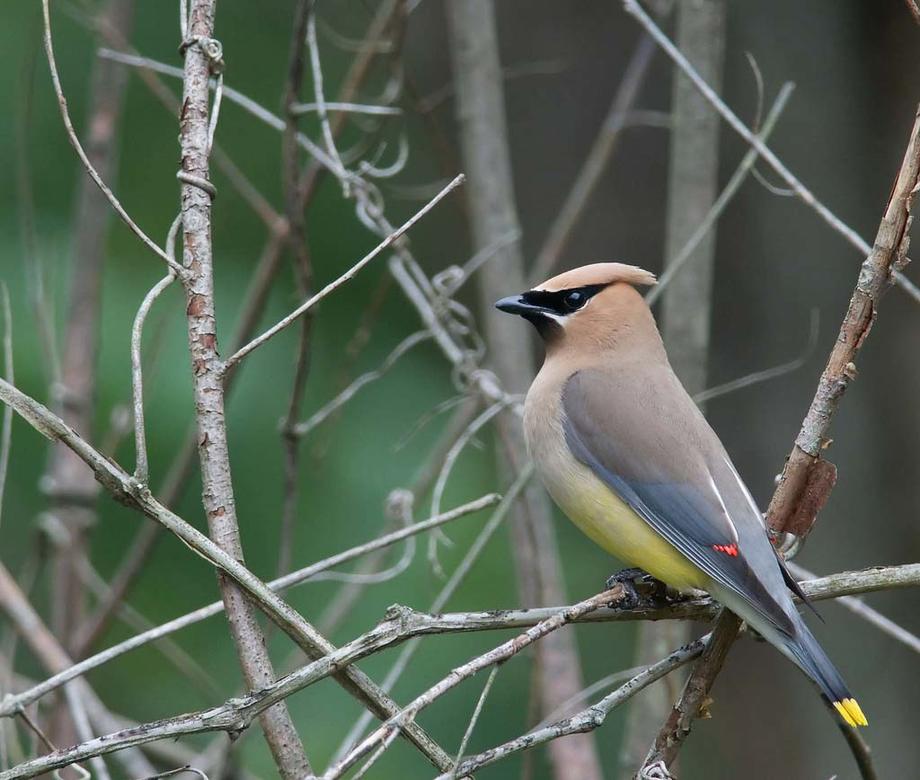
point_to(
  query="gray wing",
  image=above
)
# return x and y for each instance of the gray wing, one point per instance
(661, 457)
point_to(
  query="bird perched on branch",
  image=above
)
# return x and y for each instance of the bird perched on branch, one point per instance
(624, 451)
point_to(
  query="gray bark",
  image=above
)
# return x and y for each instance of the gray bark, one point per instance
(484, 141)
(207, 368)
(686, 303)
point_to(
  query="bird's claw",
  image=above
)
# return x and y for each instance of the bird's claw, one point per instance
(639, 589)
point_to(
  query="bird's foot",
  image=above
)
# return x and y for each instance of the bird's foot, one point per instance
(656, 771)
(640, 589)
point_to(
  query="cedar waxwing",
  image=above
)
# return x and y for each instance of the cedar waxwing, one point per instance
(626, 454)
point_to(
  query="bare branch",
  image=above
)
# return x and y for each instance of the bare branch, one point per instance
(256, 294)
(6, 439)
(589, 719)
(804, 194)
(128, 490)
(316, 68)
(403, 623)
(482, 124)
(318, 417)
(499, 654)
(674, 265)
(391, 239)
(858, 607)
(202, 55)
(142, 468)
(889, 252)
(350, 108)
(90, 169)
(803, 464)
(914, 9)
(596, 162)
(25, 698)
(46, 649)
(692, 701)
(756, 377)
(474, 718)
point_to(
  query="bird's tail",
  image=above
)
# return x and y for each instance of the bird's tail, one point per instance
(810, 657)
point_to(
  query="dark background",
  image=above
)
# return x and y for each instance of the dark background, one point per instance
(856, 67)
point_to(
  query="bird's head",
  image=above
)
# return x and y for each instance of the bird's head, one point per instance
(584, 303)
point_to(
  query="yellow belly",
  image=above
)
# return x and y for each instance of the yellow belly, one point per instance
(608, 521)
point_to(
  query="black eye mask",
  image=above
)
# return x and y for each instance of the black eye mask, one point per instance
(562, 302)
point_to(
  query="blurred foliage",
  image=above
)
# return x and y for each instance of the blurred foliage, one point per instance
(855, 65)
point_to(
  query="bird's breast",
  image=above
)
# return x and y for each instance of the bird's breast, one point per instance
(592, 506)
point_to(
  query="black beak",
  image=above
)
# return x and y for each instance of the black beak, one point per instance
(515, 304)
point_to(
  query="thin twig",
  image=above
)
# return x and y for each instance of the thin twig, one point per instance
(303, 275)
(872, 616)
(675, 264)
(495, 656)
(474, 718)
(350, 108)
(766, 374)
(804, 194)
(441, 483)
(90, 169)
(317, 72)
(596, 162)
(589, 719)
(6, 439)
(347, 276)
(322, 414)
(25, 698)
(142, 467)
(861, 751)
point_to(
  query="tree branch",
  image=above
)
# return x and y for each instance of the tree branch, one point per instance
(799, 189)
(686, 303)
(126, 489)
(493, 212)
(498, 655)
(195, 126)
(888, 253)
(402, 624)
(87, 163)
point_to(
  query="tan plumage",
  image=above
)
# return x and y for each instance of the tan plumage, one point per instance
(627, 455)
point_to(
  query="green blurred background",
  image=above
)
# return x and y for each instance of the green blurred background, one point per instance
(857, 71)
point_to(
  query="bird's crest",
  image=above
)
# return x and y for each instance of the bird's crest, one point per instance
(598, 273)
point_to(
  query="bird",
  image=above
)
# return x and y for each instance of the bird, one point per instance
(626, 454)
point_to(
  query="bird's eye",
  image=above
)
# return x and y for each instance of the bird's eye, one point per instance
(574, 300)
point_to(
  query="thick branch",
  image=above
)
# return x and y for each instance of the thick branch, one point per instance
(69, 486)
(213, 451)
(402, 624)
(129, 491)
(11, 703)
(493, 212)
(686, 304)
(888, 253)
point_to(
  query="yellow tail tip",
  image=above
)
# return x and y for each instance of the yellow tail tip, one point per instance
(851, 712)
